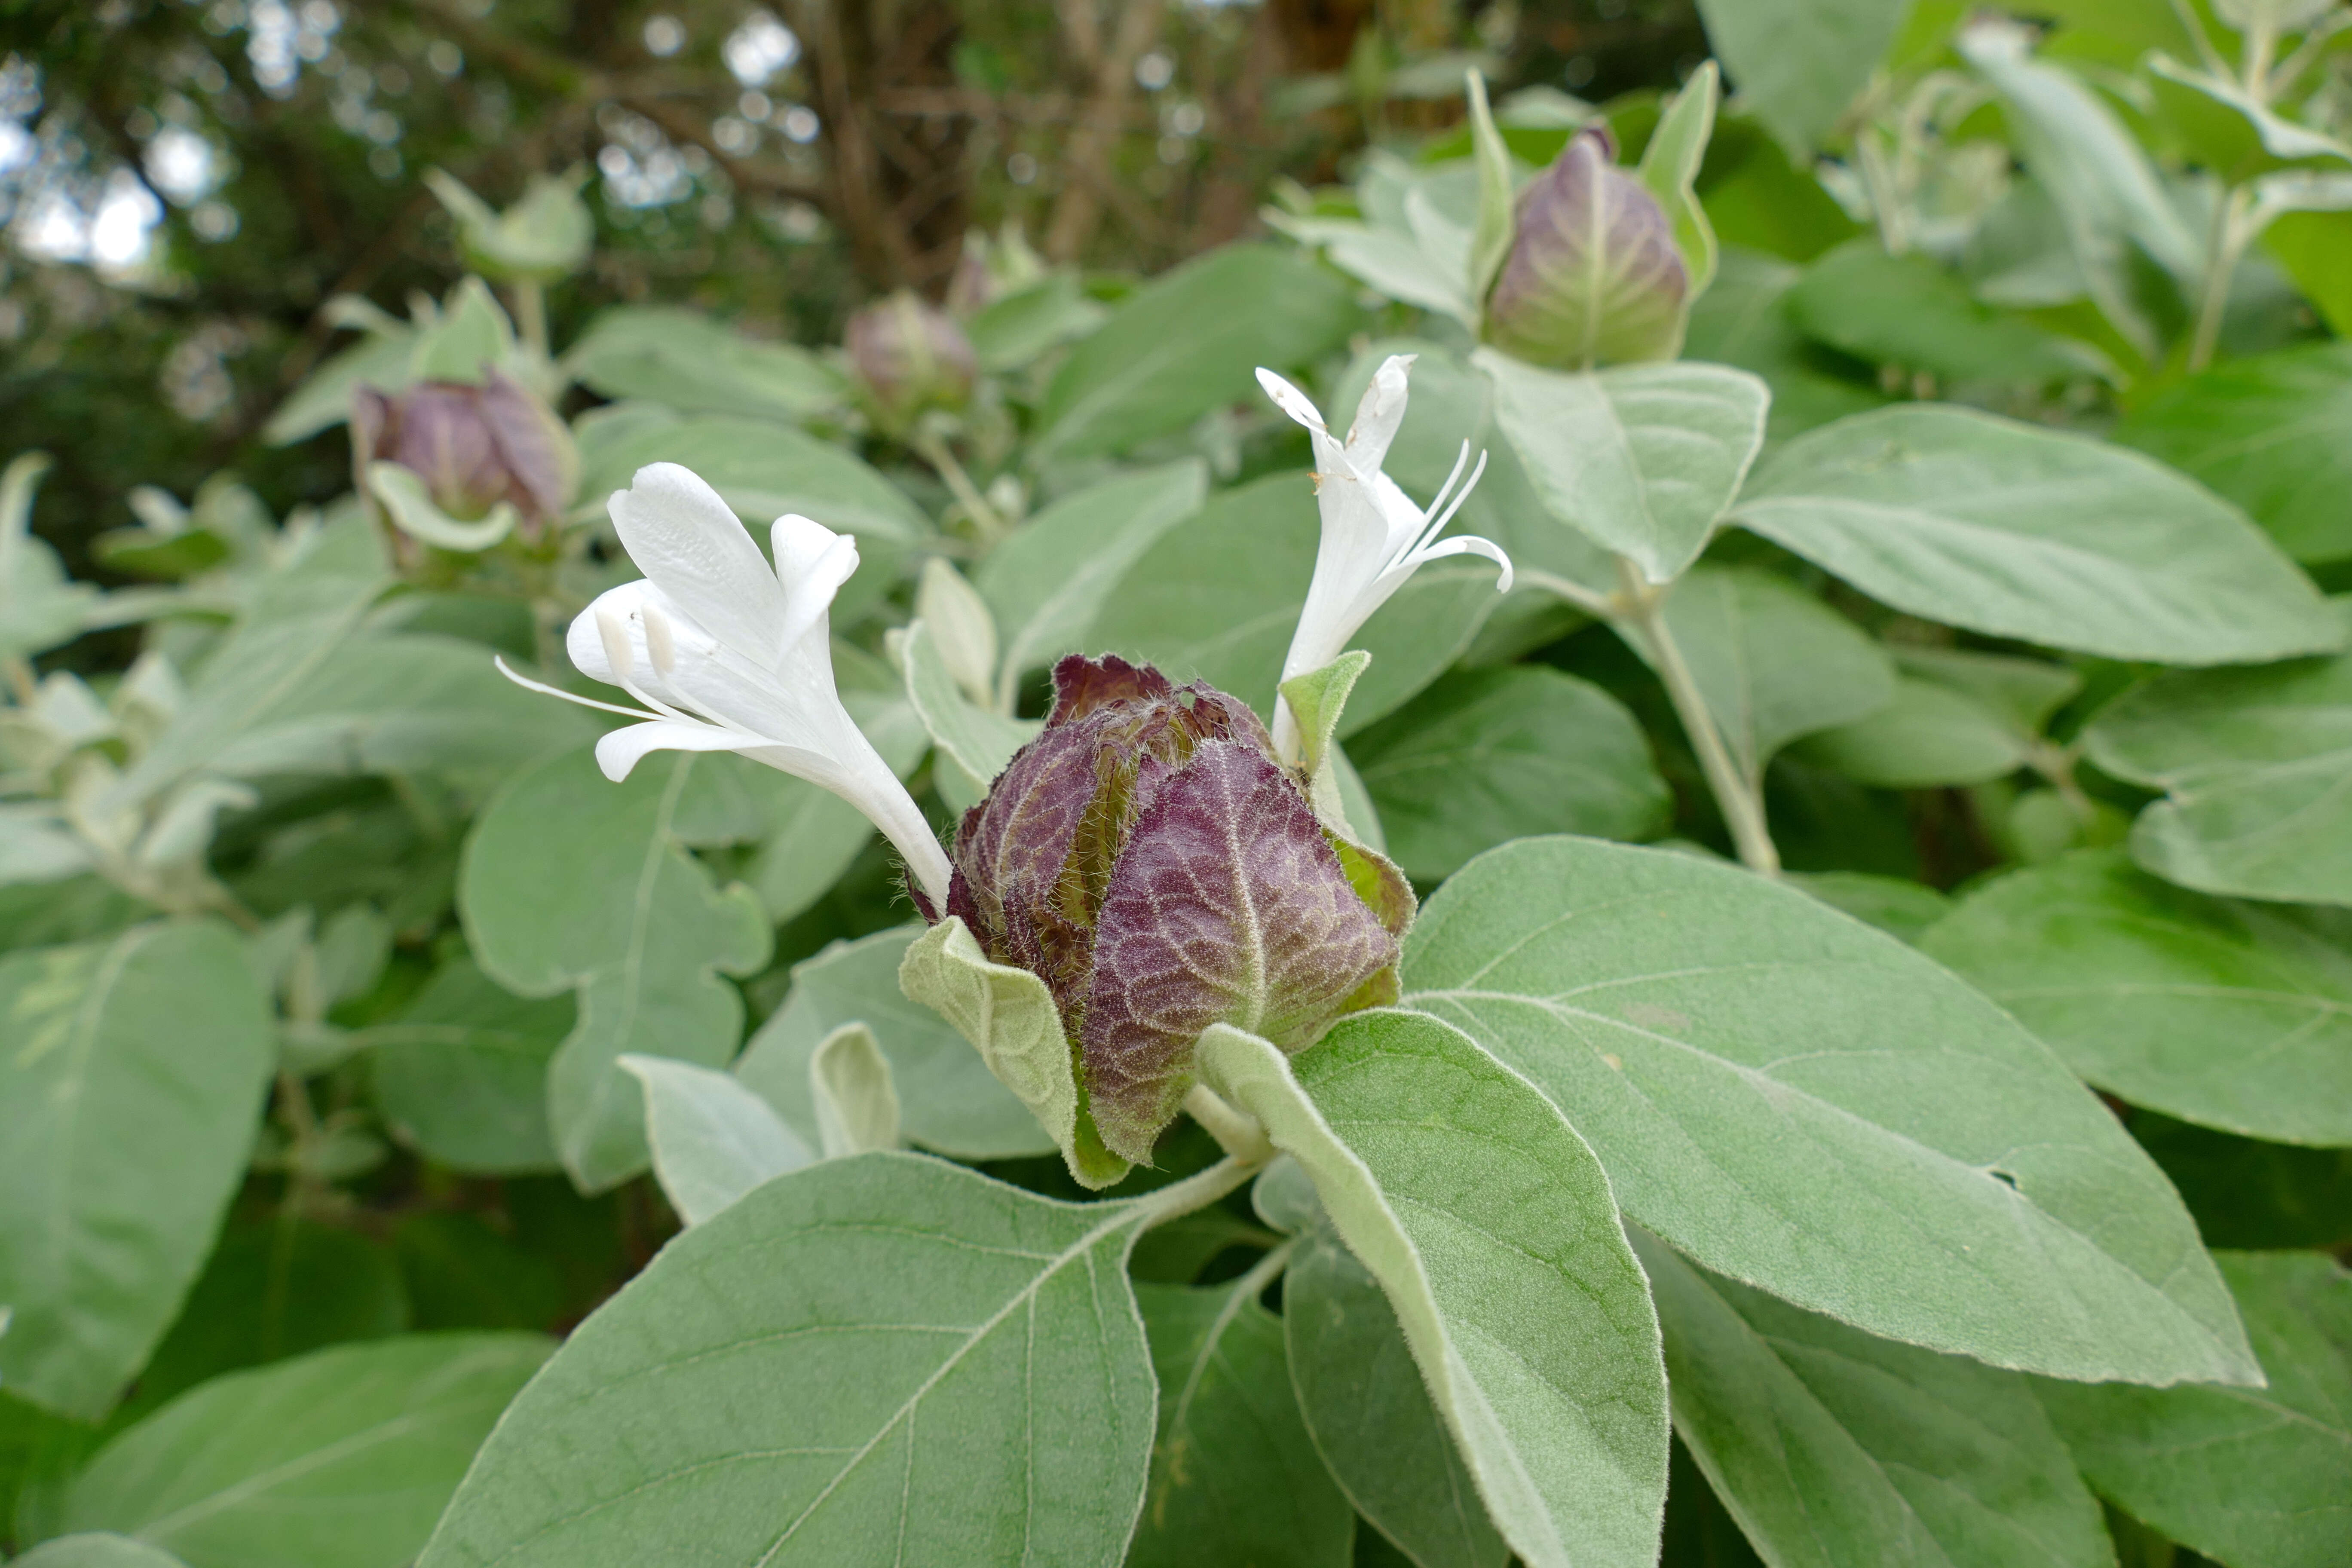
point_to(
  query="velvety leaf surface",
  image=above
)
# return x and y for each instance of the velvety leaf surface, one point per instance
(1800, 62)
(971, 741)
(1491, 1228)
(2019, 531)
(159, 1041)
(878, 1359)
(2234, 1015)
(97, 1548)
(1923, 737)
(1188, 341)
(1225, 906)
(342, 1458)
(1809, 1106)
(1913, 313)
(2258, 763)
(685, 359)
(1047, 580)
(950, 1101)
(1217, 600)
(1489, 754)
(712, 1139)
(574, 883)
(1370, 1411)
(1771, 660)
(1838, 1449)
(1642, 460)
(1235, 1476)
(2255, 1478)
(2267, 432)
(461, 1075)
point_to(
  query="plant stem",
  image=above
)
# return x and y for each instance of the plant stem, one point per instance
(1602, 606)
(2224, 243)
(934, 451)
(1237, 1132)
(1197, 1191)
(530, 318)
(1737, 797)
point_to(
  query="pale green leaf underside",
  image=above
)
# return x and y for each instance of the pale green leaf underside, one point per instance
(1492, 1229)
(2254, 1476)
(712, 1139)
(1808, 1105)
(949, 1100)
(96, 1549)
(2238, 1015)
(159, 1042)
(344, 1456)
(1836, 1449)
(882, 1360)
(2019, 531)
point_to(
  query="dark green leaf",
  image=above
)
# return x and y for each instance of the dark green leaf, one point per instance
(462, 1074)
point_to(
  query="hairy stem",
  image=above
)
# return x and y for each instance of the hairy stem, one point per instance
(933, 450)
(1736, 794)
(1237, 1132)
(1602, 606)
(1198, 1191)
(2225, 242)
(530, 318)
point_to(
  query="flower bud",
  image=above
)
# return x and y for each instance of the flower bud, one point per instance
(1594, 276)
(911, 358)
(473, 448)
(1147, 858)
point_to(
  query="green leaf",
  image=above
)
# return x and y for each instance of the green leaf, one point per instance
(40, 605)
(159, 1042)
(971, 741)
(1833, 1447)
(1187, 342)
(1235, 1478)
(572, 883)
(1015, 329)
(1217, 600)
(2020, 532)
(1490, 241)
(1893, 905)
(1744, 321)
(2250, 1195)
(2236, 1015)
(2254, 762)
(1771, 661)
(713, 1140)
(686, 361)
(1317, 700)
(1370, 1411)
(96, 1549)
(950, 1100)
(1925, 736)
(1008, 1016)
(273, 1290)
(856, 1098)
(2266, 432)
(323, 400)
(299, 619)
(1670, 165)
(1491, 1228)
(762, 469)
(339, 1459)
(1642, 458)
(1912, 312)
(1796, 1101)
(406, 499)
(461, 1075)
(873, 1356)
(1047, 580)
(1797, 64)
(2253, 1477)
(1489, 754)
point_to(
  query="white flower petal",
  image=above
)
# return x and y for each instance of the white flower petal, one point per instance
(688, 542)
(620, 750)
(1290, 400)
(1380, 414)
(812, 562)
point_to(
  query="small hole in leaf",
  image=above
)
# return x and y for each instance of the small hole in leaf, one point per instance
(2003, 1177)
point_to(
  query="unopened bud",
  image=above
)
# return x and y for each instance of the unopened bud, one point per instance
(911, 357)
(1147, 858)
(1594, 276)
(473, 448)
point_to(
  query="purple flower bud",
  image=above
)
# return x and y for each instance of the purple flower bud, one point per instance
(911, 357)
(1594, 276)
(474, 447)
(1149, 859)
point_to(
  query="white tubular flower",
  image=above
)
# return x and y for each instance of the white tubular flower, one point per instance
(1374, 537)
(728, 655)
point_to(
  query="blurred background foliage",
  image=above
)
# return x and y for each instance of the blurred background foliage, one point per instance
(184, 185)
